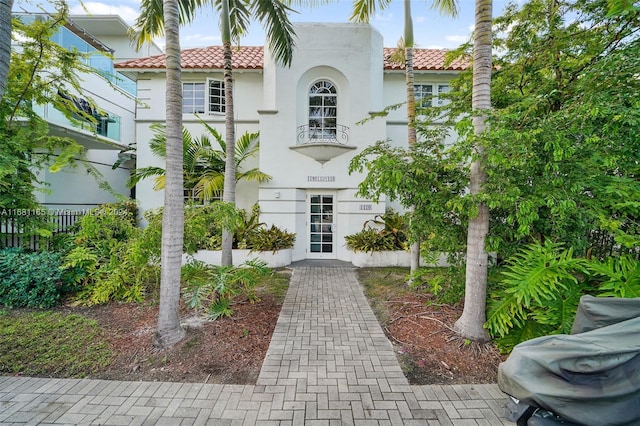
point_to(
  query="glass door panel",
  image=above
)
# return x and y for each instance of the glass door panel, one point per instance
(321, 226)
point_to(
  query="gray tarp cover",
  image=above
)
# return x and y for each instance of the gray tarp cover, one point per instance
(592, 377)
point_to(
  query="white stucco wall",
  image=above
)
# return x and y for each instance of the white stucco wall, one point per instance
(151, 109)
(74, 188)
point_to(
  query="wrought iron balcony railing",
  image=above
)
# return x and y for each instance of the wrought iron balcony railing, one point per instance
(318, 134)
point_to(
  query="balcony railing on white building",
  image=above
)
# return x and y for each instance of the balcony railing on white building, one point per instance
(322, 135)
(106, 124)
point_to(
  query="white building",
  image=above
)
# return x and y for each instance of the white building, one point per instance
(74, 188)
(306, 115)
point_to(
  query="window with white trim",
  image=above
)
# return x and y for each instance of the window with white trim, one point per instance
(428, 95)
(216, 96)
(423, 94)
(323, 110)
(194, 100)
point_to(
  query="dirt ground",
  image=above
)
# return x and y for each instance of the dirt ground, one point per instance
(231, 350)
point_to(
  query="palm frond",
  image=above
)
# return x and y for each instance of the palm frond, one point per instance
(247, 146)
(446, 7)
(143, 173)
(254, 175)
(365, 10)
(159, 182)
(210, 185)
(150, 22)
(274, 16)
(158, 143)
(216, 135)
(239, 18)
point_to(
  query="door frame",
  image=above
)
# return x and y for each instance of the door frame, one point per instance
(308, 225)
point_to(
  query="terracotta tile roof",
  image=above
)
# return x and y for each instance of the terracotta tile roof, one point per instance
(251, 57)
(425, 60)
(246, 57)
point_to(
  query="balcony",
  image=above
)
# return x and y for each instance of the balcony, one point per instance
(322, 143)
(104, 133)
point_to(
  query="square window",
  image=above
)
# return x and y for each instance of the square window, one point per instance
(193, 98)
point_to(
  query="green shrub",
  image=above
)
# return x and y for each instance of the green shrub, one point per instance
(213, 287)
(388, 233)
(270, 239)
(541, 288)
(245, 232)
(33, 280)
(446, 284)
(117, 259)
(369, 240)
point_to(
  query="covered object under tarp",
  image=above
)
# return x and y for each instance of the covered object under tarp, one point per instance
(591, 377)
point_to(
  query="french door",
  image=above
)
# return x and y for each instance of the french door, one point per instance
(321, 225)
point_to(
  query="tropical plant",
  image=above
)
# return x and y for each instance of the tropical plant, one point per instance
(243, 233)
(538, 295)
(33, 280)
(383, 232)
(394, 225)
(271, 239)
(616, 276)
(213, 287)
(113, 259)
(541, 287)
(370, 240)
(203, 163)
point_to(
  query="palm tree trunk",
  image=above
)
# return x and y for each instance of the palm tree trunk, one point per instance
(411, 110)
(169, 330)
(229, 194)
(471, 323)
(5, 42)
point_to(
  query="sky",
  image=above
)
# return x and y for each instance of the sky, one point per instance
(431, 30)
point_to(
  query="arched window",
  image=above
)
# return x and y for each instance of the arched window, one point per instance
(323, 110)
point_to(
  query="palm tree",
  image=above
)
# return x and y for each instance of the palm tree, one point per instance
(234, 21)
(229, 194)
(5, 42)
(203, 164)
(169, 331)
(471, 323)
(362, 12)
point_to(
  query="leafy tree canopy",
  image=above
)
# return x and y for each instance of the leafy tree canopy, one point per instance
(563, 144)
(40, 72)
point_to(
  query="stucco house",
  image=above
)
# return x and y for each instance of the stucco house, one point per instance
(307, 116)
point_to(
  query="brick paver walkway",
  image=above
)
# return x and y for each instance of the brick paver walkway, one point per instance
(329, 363)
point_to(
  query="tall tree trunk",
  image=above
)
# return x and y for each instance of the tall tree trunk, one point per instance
(5, 42)
(169, 330)
(411, 109)
(471, 323)
(229, 194)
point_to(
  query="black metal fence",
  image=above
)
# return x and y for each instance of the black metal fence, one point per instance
(18, 227)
